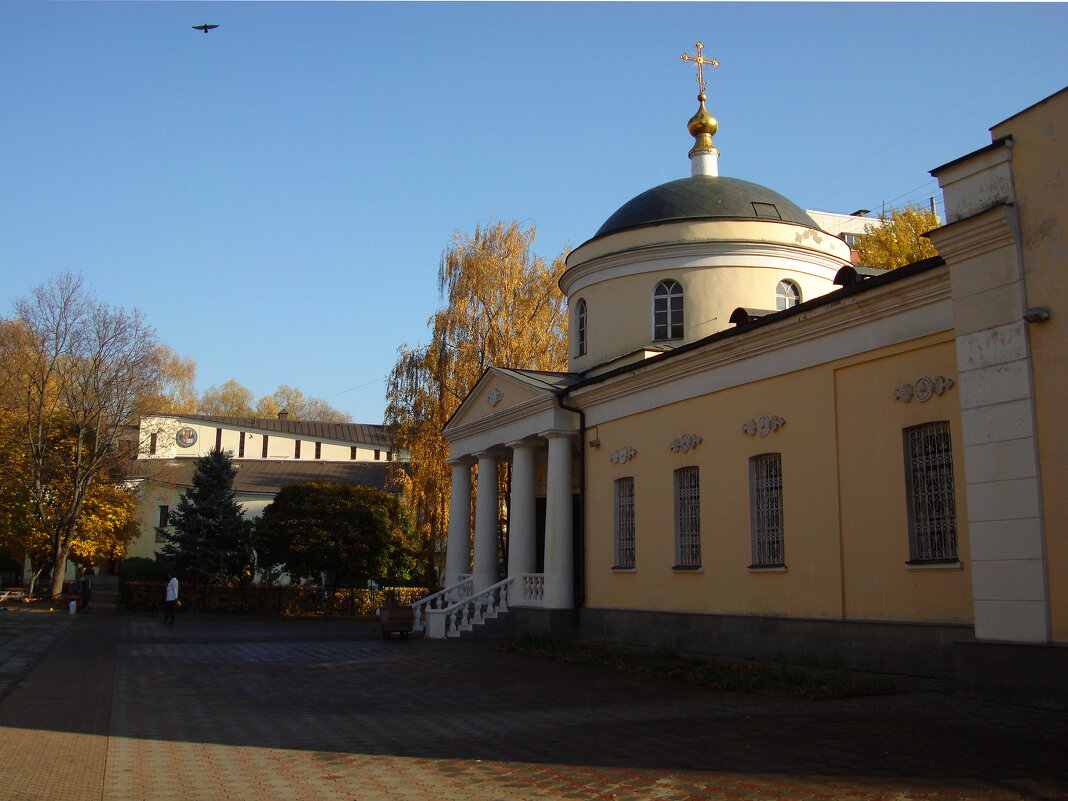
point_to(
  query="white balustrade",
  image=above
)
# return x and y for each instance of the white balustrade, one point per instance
(467, 612)
(533, 588)
(441, 600)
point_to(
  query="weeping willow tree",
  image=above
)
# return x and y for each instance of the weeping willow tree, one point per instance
(503, 308)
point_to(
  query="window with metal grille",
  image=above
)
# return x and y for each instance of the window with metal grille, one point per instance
(929, 486)
(765, 509)
(580, 328)
(667, 310)
(787, 295)
(624, 491)
(687, 517)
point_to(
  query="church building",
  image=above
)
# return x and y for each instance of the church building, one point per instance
(759, 453)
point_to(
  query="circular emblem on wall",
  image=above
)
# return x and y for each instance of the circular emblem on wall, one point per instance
(186, 437)
(923, 389)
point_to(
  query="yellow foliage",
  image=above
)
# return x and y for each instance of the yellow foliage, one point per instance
(897, 239)
(503, 308)
(234, 400)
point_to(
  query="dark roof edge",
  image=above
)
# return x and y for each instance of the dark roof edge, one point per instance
(271, 423)
(866, 285)
(1000, 142)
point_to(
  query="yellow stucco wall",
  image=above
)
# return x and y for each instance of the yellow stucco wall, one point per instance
(1040, 135)
(619, 312)
(845, 550)
(874, 524)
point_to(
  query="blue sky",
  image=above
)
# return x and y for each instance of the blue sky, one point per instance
(275, 195)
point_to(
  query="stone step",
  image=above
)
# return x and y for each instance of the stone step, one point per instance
(495, 628)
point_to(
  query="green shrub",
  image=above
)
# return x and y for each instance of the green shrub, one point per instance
(138, 568)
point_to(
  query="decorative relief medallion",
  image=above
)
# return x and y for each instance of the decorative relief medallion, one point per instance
(495, 396)
(923, 389)
(763, 425)
(186, 437)
(687, 442)
(623, 455)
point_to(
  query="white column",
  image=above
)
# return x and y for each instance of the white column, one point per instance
(522, 540)
(458, 549)
(486, 522)
(559, 558)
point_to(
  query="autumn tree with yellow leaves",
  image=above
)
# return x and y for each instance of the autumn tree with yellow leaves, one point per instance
(503, 308)
(231, 399)
(898, 239)
(73, 373)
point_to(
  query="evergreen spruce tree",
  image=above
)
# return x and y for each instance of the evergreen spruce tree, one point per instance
(210, 540)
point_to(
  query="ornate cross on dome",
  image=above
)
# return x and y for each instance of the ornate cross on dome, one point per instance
(700, 61)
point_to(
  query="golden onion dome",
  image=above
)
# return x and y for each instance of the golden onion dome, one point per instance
(702, 127)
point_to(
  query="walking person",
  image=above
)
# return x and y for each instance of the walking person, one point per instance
(170, 599)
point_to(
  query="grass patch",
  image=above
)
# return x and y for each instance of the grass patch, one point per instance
(716, 674)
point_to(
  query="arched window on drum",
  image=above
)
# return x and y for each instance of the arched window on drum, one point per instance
(580, 328)
(787, 295)
(667, 310)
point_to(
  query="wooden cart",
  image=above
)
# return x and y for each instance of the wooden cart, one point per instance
(398, 619)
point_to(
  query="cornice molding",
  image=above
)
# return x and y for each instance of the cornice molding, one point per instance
(489, 422)
(988, 231)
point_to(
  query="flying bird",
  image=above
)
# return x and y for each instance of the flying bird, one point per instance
(205, 27)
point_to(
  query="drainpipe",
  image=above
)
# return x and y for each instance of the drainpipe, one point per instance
(580, 600)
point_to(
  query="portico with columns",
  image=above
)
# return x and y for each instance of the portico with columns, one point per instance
(516, 417)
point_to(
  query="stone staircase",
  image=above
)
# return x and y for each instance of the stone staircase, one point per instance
(494, 628)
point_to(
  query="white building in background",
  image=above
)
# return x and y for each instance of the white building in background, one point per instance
(848, 227)
(269, 453)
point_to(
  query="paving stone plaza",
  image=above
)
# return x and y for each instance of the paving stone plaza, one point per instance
(114, 707)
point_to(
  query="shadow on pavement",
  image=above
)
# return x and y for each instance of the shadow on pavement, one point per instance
(336, 687)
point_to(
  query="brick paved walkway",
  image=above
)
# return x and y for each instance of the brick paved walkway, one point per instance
(124, 709)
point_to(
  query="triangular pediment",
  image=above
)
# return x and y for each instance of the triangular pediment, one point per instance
(507, 405)
(497, 392)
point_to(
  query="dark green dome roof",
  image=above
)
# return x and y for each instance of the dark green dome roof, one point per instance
(705, 197)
